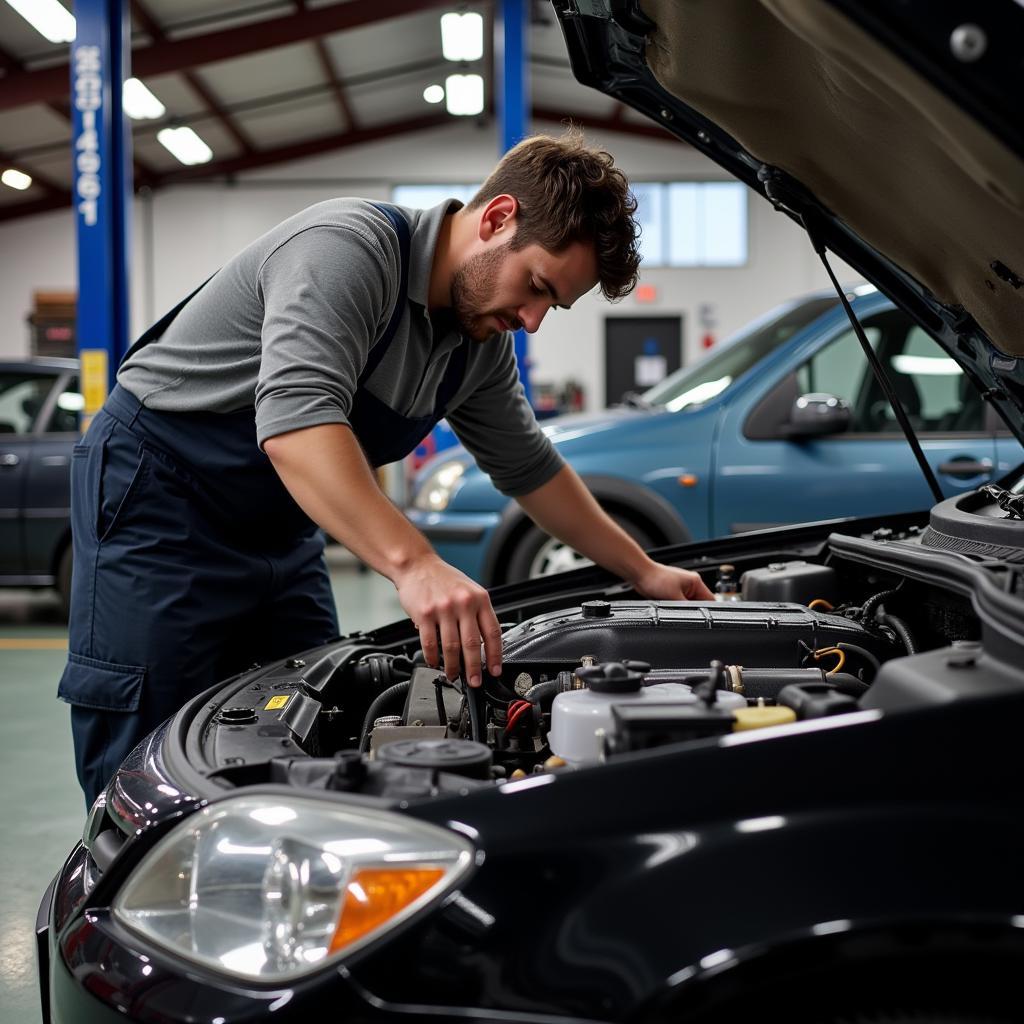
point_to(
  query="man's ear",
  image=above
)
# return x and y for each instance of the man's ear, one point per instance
(498, 219)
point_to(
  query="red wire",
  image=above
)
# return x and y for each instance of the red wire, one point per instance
(520, 709)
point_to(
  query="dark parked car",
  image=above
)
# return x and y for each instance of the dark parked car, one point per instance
(800, 806)
(40, 411)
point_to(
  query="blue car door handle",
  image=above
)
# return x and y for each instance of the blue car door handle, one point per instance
(966, 467)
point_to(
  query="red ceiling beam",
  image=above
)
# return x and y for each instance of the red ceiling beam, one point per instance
(348, 117)
(341, 140)
(23, 87)
(340, 97)
(156, 33)
(299, 150)
(51, 202)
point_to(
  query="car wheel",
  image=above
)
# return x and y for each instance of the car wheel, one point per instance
(538, 554)
(64, 580)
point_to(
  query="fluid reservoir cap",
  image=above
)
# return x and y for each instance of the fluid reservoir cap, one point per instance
(461, 757)
(596, 609)
(611, 677)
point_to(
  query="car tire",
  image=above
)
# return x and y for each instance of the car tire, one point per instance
(538, 554)
(64, 581)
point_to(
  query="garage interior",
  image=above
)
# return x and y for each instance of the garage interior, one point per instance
(298, 101)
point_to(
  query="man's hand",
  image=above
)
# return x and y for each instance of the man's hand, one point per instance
(666, 583)
(441, 600)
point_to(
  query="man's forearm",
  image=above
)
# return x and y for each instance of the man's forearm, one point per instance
(325, 471)
(565, 508)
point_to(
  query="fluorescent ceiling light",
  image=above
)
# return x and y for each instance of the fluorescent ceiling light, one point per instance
(16, 179)
(48, 18)
(185, 145)
(139, 102)
(433, 93)
(462, 36)
(464, 94)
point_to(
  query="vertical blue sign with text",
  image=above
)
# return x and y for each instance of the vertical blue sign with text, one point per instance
(513, 101)
(102, 191)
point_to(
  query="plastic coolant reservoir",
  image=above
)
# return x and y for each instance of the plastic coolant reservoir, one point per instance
(581, 718)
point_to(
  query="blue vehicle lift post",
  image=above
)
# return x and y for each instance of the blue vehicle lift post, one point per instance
(102, 191)
(511, 48)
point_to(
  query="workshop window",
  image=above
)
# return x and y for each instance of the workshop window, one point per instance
(423, 197)
(692, 223)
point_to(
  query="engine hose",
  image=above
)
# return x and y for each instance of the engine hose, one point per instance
(541, 692)
(850, 685)
(867, 609)
(386, 697)
(900, 628)
(473, 696)
(861, 653)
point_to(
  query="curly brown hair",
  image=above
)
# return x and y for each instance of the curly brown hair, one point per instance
(570, 192)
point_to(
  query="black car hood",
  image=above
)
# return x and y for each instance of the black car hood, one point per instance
(863, 122)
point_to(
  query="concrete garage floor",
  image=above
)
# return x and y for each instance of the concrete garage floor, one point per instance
(41, 806)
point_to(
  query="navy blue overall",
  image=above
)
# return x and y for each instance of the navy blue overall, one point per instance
(191, 560)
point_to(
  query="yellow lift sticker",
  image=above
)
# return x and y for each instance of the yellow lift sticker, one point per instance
(276, 703)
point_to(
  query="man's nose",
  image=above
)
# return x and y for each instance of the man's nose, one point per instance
(531, 316)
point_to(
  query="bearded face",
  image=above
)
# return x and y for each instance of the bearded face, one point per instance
(474, 296)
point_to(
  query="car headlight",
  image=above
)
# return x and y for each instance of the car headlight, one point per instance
(268, 888)
(439, 487)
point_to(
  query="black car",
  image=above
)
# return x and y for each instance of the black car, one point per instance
(40, 413)
(799, 803)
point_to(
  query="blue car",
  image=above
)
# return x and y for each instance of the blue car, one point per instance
(783, 423)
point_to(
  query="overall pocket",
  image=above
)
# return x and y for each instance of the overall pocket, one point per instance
(91, 683)
(124, 470)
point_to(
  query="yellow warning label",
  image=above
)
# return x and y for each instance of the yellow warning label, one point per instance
(94, 378)
(276, 703)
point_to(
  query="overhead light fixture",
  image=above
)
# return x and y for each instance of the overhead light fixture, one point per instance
(462, 36)
(433, 93)
(139, 102)
(464, 94)
(185, 145)
(47, 17)
(15, 179)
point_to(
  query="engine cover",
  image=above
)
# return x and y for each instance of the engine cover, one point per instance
(667, 634)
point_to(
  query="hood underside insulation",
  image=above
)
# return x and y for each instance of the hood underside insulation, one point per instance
(804, 89)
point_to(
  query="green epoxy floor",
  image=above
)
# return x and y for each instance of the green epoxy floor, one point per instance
(41, 806)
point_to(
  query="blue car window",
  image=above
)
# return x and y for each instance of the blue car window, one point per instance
(694, 385)
(840, 369)
(932, 388)
(22, 397)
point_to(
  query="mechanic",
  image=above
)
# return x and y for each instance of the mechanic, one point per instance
(252, 414)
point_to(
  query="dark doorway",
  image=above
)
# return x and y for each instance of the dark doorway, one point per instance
(639, 351)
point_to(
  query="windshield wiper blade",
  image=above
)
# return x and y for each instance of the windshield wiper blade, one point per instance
(635, 401)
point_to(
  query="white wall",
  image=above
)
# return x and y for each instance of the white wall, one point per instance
(182, 234)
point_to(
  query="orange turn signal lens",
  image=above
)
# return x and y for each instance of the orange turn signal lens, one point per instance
(688, 480)
(375, 895)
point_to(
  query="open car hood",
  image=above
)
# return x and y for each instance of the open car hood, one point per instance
(891, 132)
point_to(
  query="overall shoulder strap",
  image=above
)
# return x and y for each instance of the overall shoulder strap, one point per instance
(380, 347)
(157, 330)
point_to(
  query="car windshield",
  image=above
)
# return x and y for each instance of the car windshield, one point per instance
(693, 385)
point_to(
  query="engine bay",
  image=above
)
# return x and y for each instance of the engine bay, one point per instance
(787, 641)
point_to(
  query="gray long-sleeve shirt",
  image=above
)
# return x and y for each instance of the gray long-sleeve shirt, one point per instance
(287, 324)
